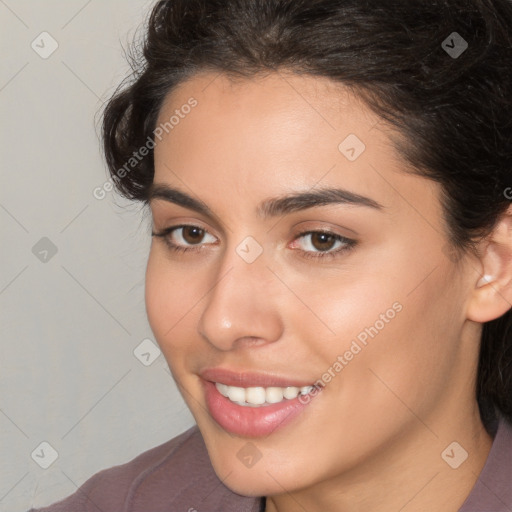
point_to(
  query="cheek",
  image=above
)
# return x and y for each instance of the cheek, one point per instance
(384, 333)
(343, 309)
(170, 297)
(156, 292)
(406, 363)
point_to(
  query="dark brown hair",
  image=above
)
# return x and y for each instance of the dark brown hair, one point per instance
(407, 60)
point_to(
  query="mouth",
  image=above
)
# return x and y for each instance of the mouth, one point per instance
(254, 404)
(260, 396)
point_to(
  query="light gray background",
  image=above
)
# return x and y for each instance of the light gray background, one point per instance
(70, 324)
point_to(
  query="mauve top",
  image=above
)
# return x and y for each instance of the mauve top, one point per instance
(177, 476)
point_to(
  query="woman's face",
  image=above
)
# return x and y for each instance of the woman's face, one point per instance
(372, 310)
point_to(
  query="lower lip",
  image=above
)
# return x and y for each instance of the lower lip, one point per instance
(251, 421)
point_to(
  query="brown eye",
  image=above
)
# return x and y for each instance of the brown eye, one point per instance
(192, 234)
(322, 241)
(185, 237)
(322, 244)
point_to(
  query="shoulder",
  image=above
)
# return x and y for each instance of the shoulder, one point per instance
(493, 488)
(176, 475)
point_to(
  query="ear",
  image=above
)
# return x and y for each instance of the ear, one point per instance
(492, 293)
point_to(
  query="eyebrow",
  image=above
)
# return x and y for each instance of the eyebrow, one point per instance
(273, 207)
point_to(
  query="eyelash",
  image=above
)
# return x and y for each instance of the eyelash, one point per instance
(349, 243)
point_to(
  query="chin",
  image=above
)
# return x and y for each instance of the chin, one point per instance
(247, 483)
(262, 479)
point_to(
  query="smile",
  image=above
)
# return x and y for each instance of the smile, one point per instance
(256, 411)
(260, 396)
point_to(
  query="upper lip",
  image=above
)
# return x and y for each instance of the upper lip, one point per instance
(246, 379)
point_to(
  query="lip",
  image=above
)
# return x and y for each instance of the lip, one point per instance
(247, 379)
(251, 421)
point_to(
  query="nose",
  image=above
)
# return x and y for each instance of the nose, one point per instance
(241, 309)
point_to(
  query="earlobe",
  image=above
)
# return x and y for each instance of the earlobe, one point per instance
(486, 279)
(492, 293)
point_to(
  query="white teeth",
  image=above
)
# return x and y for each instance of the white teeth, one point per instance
(290, 392)
(256, 396)
(223, 389)
(236, 394)
(274, 395)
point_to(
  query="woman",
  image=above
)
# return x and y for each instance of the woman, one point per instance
(330, 275)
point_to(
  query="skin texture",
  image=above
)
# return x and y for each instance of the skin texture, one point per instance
(373, 438)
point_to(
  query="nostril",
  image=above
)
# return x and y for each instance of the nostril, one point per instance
(249, 341)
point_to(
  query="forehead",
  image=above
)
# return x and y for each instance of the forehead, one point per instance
(278, 133)
(266, 121)
(285, 97)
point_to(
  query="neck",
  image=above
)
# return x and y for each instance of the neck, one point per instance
(408, 475)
